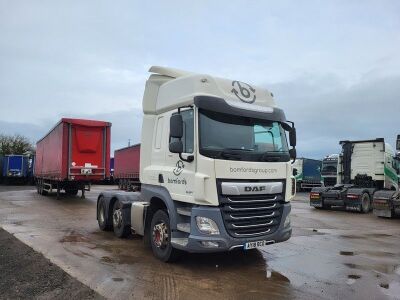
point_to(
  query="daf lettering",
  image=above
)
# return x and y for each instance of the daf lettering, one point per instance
(254, 188)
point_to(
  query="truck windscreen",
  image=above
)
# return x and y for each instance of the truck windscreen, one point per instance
(329, 168)
(232, 137)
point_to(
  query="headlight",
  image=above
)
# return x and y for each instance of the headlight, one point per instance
(206, 225)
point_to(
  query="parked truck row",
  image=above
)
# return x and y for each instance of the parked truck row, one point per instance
(213, 171)
(367, 178)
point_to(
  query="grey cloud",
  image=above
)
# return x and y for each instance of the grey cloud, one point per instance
(327, 111)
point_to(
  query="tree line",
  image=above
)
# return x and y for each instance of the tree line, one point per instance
(15, 144)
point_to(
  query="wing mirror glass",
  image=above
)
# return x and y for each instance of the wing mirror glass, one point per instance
(398, 143)
(293, 154)
(176, 146)
(292, 137)
(176, 126)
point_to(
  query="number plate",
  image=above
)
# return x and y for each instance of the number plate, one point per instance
(86, 171)
(252, 245)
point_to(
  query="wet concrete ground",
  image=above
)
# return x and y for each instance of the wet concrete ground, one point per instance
(331, 255)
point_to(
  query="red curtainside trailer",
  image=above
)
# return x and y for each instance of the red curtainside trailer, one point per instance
(73, 154)
(127, 166)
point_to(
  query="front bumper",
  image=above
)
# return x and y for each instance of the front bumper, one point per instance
(225, 241)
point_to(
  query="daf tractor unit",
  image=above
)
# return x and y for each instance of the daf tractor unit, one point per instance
(329, 172)
(307, 173)
(215, 168)
(386, 203)
(364, 167)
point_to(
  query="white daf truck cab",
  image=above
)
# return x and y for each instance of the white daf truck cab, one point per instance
(215, 168)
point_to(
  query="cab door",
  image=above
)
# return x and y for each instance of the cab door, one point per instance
(179, 174)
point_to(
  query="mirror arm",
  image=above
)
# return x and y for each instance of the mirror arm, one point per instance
(189, 159)
(186, 106)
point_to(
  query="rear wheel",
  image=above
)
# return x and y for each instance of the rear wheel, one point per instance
(160, 238)
(119, 223)
(102, 219)
(365, 203)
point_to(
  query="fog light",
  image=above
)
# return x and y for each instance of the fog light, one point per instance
(287, 222)
(206, 225)
(208, 244)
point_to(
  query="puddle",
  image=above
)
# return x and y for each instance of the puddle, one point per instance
(382, 268)
(378, 235)
(353, 276)
(384, 285)
(74, 238)
(117, 279)
(107, 259)
(347, 253)
(380, 253)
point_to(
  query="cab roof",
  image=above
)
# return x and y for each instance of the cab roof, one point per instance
(169, 88)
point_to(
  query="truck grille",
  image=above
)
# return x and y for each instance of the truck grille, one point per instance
(251, 215)
(329, 181)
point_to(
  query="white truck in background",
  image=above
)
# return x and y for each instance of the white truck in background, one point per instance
(364, 168)
(386, 203)
(329, 171)
(215, 168)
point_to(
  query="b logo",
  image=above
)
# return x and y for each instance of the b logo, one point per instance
(245, 94)
(178, 168)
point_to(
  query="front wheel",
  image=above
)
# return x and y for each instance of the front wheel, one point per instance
(365, 203)
(160, 238)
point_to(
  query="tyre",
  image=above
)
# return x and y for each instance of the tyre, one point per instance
(102, 219)
(121, 230)
(365, 203)
(160, 238)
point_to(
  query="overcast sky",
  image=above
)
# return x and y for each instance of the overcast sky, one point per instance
(334, 67)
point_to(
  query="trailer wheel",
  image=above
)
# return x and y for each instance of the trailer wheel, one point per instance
(365, 203)
(121, 230)
(102, 219)
(160, 238)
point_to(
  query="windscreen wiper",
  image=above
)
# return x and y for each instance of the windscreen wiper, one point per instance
(270, 158)
(230, 155)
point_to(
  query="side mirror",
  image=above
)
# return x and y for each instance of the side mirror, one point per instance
(398, 143)
(293, 154)
(176, 146)
(176, 126)
(292, 137)
(295, 172)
